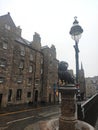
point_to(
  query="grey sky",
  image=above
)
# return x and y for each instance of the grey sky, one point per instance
(52, 19)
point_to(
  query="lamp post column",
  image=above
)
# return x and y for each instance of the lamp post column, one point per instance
(77, 61)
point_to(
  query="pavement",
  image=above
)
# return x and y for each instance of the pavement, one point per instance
(19, 107)
(12, 108)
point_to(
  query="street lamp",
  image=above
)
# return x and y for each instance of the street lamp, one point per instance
(75, 33)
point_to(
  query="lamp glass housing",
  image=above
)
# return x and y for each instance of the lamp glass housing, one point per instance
(76, 37)
(76, 31)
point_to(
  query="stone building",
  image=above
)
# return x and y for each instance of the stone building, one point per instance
(50, 91)
(21, 66)
(91, 86)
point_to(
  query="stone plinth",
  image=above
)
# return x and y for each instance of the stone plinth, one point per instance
(54, 125)
(68, 118)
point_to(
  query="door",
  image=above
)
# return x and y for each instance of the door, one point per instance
(0, 99)
(36, 96)
(49, 98)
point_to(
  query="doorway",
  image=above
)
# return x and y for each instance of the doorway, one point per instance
(49, 98)
(0, 99)
(36, 96)
(9, 95)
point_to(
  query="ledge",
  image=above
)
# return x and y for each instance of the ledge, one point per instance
(68, 88)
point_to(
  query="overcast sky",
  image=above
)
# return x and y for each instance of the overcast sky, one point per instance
(52, 19)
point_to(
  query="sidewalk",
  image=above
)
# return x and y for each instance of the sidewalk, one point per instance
(20, 107)
(12, 108)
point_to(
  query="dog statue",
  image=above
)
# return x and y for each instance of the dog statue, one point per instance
(65, 77)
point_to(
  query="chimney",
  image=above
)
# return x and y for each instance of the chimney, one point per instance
(18, 30)
(36, 41)
(36, 38)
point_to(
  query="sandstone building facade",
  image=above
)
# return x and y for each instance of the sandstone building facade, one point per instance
(50, 75)
(28, 72)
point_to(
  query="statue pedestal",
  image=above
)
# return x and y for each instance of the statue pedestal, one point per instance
(68, 118)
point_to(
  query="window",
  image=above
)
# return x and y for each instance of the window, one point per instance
(5, 45)
(21, 65)
(9, 94)
(2, 62)
(51, 63)
(37, 82)
(18, 94)
(7, 27)
(41, 71)
(20, 79)
(41, 61)
(50, 54)
(22, 52)
(29, 94)
(1, 80)
(30, 68)
(29, 81)
(31, 57)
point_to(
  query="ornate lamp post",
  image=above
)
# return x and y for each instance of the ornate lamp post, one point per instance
(75, 32)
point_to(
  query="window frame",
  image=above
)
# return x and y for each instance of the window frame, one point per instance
(22, 51)
(29, 81)
(18, 94)
(28, 94)
(20, 79)
(30, 68)
(3, 62)
(5, 45)
(8, 27)
(21, 64)
(2, 79)
(31, 57)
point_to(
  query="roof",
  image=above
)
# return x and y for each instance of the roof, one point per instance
(7, 19)
(44, 47)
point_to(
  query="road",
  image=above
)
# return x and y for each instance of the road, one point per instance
(20, 119)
